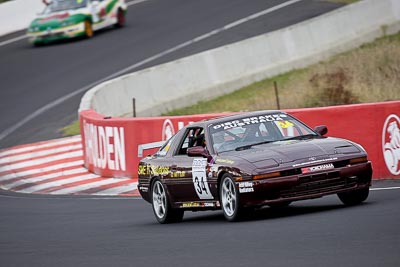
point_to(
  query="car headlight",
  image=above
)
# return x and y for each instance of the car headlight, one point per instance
(33, 29)
(67, 23)
(266, 175)
(358, 160)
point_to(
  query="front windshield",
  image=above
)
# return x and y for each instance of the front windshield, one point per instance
(62, 5)
(249, 131)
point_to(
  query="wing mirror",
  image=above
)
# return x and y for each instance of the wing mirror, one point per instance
(198, 151)
(322, 130)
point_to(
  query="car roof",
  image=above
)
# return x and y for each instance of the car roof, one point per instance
(234, 117)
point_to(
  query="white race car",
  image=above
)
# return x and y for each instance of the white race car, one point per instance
(62, 19)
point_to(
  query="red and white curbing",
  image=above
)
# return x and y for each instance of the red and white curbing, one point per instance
(56, 167)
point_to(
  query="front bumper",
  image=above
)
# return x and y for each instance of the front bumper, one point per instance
(305, 186)
(51, 35)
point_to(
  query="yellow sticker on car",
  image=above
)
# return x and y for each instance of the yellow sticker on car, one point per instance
(285, 124)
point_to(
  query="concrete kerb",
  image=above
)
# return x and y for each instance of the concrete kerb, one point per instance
(225, 69)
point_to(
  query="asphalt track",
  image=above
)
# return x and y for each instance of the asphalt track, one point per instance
(47, 231)
(40, 230)
(33, 80)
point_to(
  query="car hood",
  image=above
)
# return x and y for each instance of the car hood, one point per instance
(55, 19)
(274, 154)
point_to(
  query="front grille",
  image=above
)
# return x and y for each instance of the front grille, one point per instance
(319, 183)
(57, 34)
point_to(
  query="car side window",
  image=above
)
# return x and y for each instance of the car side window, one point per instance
(192, 137)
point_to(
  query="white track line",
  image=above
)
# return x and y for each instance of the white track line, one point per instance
(135, 2)
(384, 188)
(60, 100)
(16, 39)
(119, 198)
(204, 36)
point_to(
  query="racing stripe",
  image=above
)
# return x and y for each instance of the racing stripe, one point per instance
(110, 5)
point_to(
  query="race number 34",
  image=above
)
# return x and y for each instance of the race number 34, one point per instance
(200, 178)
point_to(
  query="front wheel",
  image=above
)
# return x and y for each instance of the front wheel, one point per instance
(230, 201)
(88, 29)
(161, 206)
(354, 197)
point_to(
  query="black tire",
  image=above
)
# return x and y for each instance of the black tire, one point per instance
(161, 206)
(354, 197)
(230, 199)
(37, 44)
(121, 20)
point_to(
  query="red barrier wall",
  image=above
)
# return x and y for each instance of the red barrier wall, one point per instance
(111, 144)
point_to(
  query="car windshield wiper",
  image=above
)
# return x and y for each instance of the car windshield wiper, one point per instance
(249, 146)
(301, 137)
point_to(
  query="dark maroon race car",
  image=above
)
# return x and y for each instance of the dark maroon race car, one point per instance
(246, 161)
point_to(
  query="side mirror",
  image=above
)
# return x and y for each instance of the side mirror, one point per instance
(322, 130)
(198, 151)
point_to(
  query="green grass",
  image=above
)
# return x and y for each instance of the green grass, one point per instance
(72, 129)
(259, 95)
(2, 1)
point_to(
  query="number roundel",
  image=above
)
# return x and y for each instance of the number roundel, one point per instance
(200, 185)
(200, 178)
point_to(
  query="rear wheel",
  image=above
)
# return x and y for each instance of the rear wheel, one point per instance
(230, 201)
(354, 197)
(161, 206)
(120, 18)
(88, 29)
